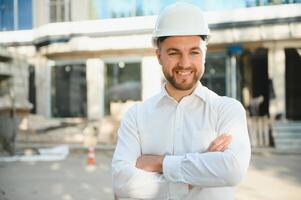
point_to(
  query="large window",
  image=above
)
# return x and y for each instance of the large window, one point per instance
(4, 85)
(101, 9)
(251, 3)
(215, 74)
(69, 91)
(59, 10)
(123, 83)
(32, 88)
(24, 14)
(15, 15)
(292, 83)
(7, 15)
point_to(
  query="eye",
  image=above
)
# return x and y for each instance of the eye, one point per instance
(195, 52)
(172, 53)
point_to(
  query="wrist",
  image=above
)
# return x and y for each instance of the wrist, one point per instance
(160, 163)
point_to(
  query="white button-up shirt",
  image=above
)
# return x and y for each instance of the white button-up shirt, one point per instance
(182, 131)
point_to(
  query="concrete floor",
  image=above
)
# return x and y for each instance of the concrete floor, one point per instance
(270, 177)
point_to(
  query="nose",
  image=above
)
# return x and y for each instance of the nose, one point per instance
(184, 61)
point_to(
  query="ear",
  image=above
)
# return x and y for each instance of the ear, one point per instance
(158, 54)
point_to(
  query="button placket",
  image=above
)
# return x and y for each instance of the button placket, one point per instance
(178, 128)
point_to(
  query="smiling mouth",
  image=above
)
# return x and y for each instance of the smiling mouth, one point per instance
(184, 72)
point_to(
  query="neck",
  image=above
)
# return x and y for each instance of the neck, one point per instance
(178, 94)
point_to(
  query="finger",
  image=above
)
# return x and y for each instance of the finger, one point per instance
(223, 146)
(215, 143)
(219, 141)
(223, 149)
(219, 147)
(226, 145)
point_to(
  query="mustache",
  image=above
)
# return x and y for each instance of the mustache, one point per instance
(184, 68)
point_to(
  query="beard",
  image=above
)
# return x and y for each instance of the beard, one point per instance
(184, 84)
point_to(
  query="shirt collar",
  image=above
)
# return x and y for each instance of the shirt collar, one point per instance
(163, 94)
(199, 92)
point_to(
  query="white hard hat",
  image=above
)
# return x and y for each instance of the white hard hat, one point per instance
(180, 19)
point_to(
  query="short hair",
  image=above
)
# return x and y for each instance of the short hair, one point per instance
(161, 39)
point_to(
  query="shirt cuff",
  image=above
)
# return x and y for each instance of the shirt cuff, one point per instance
(172, 168)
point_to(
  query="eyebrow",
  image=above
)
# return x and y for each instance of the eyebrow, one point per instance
(175, 49)
(172, 49)
(196, 48)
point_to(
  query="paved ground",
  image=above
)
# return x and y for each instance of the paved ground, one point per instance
(71, 179)
(271, 177)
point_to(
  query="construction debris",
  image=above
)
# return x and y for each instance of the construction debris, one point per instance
(44, 154)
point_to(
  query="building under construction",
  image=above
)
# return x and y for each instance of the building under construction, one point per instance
(94, 68)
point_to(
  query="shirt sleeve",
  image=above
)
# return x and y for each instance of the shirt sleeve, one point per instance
(129, 181)
(216, 169)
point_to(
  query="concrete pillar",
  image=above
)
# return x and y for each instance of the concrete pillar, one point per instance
(151, 76)
(233, 77)
(95, 88)
(19, 72)
(83, 6)
(276, 70)
(40, 10)
(43, 86)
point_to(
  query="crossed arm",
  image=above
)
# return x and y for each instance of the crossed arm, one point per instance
(150, 176)
(153, 163)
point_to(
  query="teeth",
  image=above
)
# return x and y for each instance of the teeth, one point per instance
(184, 72)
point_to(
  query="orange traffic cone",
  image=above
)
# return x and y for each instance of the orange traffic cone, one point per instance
(91, 160)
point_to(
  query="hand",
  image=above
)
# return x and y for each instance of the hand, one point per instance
(221, 143)
(150, 163)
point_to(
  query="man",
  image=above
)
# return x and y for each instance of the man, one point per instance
(185, 142)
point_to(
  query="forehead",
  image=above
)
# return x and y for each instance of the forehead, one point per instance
(182, 42)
